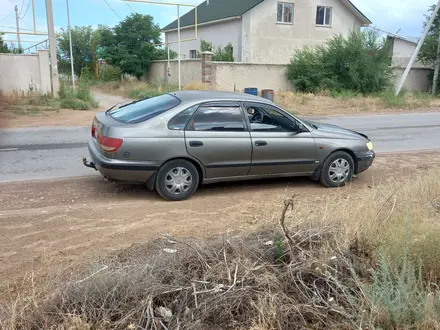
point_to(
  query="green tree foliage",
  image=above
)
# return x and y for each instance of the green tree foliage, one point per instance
(428, 53)
(3, 46)
(224, 55)
(130, 44)
(358, 63)
(82, 37)
(162, 54)
(205, 46)
(220, 54)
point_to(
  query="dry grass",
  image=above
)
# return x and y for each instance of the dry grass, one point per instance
(299, 103)
(325, 104)
(338, 262)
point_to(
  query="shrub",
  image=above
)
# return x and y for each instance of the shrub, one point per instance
(358, 63)
(80, 98)
(75, 104)
(110, 73)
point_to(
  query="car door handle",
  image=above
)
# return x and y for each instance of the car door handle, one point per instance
(196, 144)
(260, 143)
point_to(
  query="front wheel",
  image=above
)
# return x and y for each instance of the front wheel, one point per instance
(337, 170)
(177, 180)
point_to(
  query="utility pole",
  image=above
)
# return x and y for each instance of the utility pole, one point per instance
(33, 14)
(178, 38)
(52, 49)
(17, 24)
(416, 51)
(436, 68)
(70, 45)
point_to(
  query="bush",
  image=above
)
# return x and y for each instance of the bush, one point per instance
(359, 64)
(75, 104)
(110, 73)
(80, 98)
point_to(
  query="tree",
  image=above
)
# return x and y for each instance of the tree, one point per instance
(220, 54)
(224, 55)
(3, 46)
(130, 44)
(359, 63)
(428, 52)
(82, 37)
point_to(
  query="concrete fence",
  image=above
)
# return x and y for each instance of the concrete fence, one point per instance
(230, 76)
(20, 72)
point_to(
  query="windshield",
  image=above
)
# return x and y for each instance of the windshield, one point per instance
(142, 110)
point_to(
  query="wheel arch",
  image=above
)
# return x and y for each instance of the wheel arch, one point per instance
(317, 173)
(200, 169)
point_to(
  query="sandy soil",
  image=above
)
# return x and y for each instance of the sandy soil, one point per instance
(50, 224)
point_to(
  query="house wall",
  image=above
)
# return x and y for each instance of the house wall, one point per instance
(402, 52)
(19, 72)
(274, 43)
(220, 34)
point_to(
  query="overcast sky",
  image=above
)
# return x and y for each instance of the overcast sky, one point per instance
(389, 15)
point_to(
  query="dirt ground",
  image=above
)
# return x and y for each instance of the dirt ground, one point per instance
(46, 225)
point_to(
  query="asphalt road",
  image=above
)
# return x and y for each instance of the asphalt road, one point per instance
(44, 153)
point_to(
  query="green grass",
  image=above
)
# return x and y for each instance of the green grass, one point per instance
(80, 98)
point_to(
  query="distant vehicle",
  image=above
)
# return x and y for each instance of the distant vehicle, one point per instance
(176, 141)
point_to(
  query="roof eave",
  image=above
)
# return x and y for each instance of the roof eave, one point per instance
(233, 18)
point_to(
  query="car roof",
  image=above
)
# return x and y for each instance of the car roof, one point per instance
(207, 96)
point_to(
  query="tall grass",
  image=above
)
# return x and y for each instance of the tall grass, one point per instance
(80, 98)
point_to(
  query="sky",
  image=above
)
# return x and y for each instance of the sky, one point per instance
(405, 16)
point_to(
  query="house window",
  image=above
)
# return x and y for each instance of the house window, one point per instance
(193, 53)
(324, 16)
(285, 12)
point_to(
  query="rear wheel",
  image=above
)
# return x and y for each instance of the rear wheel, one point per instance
(177, 180)
(337, 170)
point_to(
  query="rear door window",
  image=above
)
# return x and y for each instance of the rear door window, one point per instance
(178, 123)
(145, 109)
(220, 118)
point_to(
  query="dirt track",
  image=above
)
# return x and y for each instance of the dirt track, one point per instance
(46, 224)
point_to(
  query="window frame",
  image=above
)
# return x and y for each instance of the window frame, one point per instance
(191, 53)
(275, 108)
(282, 13)
(196, 106)
(325, 11)
(219, 104)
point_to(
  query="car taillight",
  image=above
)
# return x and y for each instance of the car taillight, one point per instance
(109, 144)
(93, 127)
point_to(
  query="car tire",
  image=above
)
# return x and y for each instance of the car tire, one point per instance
(177, 180)
(337, 170)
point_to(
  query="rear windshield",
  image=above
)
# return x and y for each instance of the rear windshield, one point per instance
(142, 110)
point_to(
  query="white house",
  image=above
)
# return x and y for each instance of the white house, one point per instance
(264, 31)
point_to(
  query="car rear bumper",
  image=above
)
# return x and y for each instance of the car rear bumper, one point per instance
(364, 161)
(118, 170)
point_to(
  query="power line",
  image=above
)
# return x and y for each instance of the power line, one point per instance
(26, 24)
(113, 10)
(21, 7)
(13, 27)
(29, 3)
(130, 7)
(7, 15)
